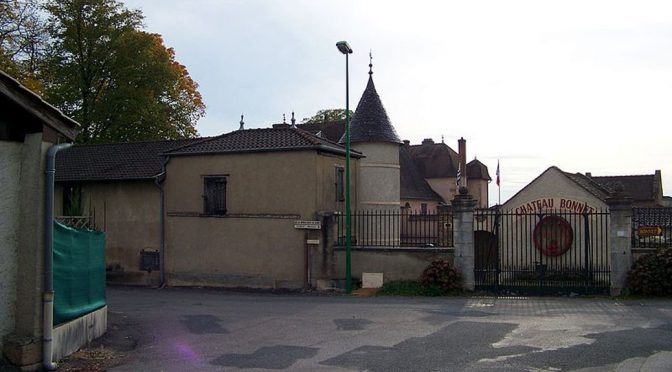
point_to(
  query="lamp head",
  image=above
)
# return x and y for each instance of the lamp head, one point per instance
(344, 47)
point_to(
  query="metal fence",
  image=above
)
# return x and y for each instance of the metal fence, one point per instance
(78, 222)
(651, 227)
(397, 228)
(551, 252)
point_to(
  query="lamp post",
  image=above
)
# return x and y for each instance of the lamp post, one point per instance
(344, 48)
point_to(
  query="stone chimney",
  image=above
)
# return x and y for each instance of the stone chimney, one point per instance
(428, 141)
(407, 143)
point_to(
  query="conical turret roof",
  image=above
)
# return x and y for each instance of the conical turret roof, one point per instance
(370, 122)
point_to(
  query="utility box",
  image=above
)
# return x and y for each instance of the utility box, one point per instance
(372, 280)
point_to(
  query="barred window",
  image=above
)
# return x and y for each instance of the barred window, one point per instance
(340, 184)
(214, 198)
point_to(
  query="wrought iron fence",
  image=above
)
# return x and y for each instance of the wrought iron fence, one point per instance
(554, 251)
(397, 228)
(651, 227)
(78, 222)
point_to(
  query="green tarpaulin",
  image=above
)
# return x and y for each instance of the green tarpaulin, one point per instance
(79, 272)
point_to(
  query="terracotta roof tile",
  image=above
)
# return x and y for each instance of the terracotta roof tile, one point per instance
(264, 139)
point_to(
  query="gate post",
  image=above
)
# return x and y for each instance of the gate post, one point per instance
(463, 236)
(620, 231)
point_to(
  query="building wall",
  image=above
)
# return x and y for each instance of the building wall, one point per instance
(31, 236)
(479, 190)
(552, 191)
(379, 179)
(10, 179)
(255, 244)
(445, 187)
(416, 205)
(326, 179)
(394, 264)
(129, 213)
(552, 184)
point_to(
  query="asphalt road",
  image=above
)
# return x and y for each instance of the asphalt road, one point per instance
(210, 330)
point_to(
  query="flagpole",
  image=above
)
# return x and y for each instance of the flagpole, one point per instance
(499, 187)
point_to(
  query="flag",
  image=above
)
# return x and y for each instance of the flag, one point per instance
(497, 172)
(459, 174)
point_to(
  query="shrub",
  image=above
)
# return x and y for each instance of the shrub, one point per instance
(652, 274)
(443, 274)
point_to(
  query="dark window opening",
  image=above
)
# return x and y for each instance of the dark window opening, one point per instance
(423, 208)
(72, 199)
(340, 184)
(215, 195)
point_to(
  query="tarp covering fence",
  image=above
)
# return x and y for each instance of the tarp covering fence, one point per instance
(79, 272)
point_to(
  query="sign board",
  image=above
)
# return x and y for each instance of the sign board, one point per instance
(645, 231)
(308, 225)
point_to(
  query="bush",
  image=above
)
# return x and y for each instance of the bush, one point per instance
(652, 274)
(443, 274)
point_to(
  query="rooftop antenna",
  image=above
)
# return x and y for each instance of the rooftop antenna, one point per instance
(370, 63)
(242, 123)
(293, 120)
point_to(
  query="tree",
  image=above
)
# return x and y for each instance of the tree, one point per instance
(326, 115)
(118, 82)
(23, 38)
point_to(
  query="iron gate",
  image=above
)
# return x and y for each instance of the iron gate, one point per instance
(553, 252)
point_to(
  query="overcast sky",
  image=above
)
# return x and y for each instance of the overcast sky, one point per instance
(582, 85)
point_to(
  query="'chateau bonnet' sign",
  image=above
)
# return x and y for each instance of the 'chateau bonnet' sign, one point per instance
(545, 204)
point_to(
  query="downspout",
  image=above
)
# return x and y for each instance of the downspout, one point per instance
(48, 294)
(158, 181)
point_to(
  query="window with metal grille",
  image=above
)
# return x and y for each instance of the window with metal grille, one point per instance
(340, 184)
(214, 195)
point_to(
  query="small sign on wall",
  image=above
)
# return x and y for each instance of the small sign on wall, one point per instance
(308, 225)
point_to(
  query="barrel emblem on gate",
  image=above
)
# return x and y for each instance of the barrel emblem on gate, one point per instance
(553, 236)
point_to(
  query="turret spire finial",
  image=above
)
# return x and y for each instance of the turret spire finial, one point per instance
(284, 120)
(293, 120)
(370, 63)
(242, 123)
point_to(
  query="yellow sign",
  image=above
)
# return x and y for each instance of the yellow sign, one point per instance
(645, 231)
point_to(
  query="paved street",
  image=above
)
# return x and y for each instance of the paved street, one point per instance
(209, 330)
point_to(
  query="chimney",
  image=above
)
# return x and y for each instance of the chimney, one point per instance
(428, 141)
(407, 142)
(462, 159)
(589, 175)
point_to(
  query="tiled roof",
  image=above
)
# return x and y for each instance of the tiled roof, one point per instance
(477, 171)
(589, 184)
(264, 139)
(435, 160)
(370, 122)
(639, 188)
(413, 184)
(114, 161)
(331, 130)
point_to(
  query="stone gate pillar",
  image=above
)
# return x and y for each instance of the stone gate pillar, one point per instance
(620, 242)
(463, 236)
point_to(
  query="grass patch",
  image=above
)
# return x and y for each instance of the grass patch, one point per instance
(410, 288)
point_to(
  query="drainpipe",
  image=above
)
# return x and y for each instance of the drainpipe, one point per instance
(48, 294)
(158, 181)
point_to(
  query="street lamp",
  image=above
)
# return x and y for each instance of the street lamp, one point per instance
(344, 48)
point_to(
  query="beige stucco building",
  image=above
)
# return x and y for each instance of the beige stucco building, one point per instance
(29, 126)
(216, 211)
